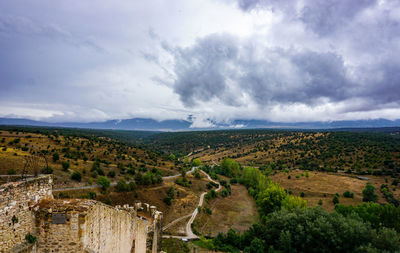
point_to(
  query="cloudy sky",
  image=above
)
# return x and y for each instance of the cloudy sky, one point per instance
(279, 60)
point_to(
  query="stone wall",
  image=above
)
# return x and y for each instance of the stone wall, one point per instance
(91, 226)
(108, 229)
(73, 225)
(16, 217)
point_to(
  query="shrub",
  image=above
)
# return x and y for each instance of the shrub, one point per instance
(77, 176)
(11, 172)
(121, 186)
(92, 195)
(111, 173)
(47, 170)
(348, 194)
(167, 200)
(335, 200)
(56, 157)
(224, 193)
(94, 174)
(233, 181)
(132, 186)
(196, 162)
(369, 194)
(65, 165)
(30, 238)
(104, 182)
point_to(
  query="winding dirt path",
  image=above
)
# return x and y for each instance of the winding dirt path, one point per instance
(189, 233)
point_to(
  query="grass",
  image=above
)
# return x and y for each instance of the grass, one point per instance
(236, 211)
(101, 148)
(323, 186)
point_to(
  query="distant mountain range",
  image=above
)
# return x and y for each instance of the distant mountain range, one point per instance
(185, 125)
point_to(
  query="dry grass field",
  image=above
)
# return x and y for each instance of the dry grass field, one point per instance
(237, 211)
(79, 152)
(322, 185)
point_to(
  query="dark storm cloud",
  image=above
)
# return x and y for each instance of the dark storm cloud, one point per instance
(220, 66)
(204, 70)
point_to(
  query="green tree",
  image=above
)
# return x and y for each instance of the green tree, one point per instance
(77, 176)
(369, 194)
(197, 174)
(348, 194)
(65, 165)
(121, 186)
(56, 157)
(132, 186)
(335, 200)
(196, 162)
(111, 173)
(104, 182)
(171, 157)
(270, 199)
(256, 246)
(230, 168)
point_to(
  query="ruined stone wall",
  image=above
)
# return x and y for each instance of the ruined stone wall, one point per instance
(73, 225)
(108, 229)
(141, 236)
(16, 216)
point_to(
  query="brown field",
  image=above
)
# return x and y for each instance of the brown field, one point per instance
(237, 211)
(324, 186)
(14, 158)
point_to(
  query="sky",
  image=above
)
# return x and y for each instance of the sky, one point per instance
(207, 60)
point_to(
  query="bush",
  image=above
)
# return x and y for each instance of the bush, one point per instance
(122, 186)
(11, 172)
(77, 176)
(47, 170)
(167, 200)
(30, 238)
(132, 186)
(224, 193)
(196, 162)
(348, 194)
(369, 194)
(233, 181)
(56, 157)
(94, 174)
(92, 195)
(65, 165)
(111, 173)
(335, 200)
(104, 182)
(182, 181)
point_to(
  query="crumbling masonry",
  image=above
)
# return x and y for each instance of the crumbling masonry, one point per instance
(28, 207)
